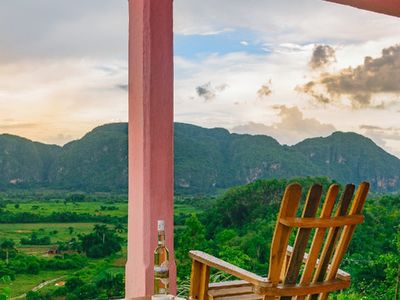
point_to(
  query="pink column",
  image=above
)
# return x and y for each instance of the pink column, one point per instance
(150, 140)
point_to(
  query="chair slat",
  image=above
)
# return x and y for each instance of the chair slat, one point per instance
(289, 206)
(319, 236)
(303, 234)
(322, 222)
(332, 237)
(347, 233)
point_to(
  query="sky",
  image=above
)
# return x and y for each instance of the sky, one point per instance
(288, 69)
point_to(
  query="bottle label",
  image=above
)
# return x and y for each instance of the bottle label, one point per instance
(161, 271)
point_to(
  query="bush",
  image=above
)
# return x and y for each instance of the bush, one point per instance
(33, 296)
(73, 283)
(33, 268)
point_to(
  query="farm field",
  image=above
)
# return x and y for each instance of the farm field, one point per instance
(44, 208)
(58, 232)
(62, 233)
(27, 282)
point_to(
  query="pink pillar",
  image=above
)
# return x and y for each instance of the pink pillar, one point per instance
(150, 140)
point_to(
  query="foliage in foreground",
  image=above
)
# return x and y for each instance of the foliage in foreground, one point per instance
(105, 286)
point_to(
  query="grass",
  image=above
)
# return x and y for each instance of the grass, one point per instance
(25, 282)
(56, 231)
(184, 209)
(45, 208)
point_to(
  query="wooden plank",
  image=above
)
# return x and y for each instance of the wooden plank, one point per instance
(322, 222)
(319, 237)
(231, 291)
(226, 267)
(303, 234)
(347, 233)
(225, 284)
(241, 297)
(289, 206)
(332, 237)
(220, 289)
(297, 289)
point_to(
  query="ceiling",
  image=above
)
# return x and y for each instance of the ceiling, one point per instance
(388, 7)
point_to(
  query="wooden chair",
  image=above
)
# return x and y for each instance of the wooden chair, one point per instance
(286, 279)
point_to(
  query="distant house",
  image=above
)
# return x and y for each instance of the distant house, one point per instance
(53, 250)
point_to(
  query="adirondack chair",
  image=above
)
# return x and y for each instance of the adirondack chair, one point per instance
(286, 279)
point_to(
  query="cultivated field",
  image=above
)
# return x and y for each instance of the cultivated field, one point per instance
(62, 233)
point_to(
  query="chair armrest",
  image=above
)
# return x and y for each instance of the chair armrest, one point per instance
(226, 267)
(340, 274)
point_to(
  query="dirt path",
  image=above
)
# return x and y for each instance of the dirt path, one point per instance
(38, 287)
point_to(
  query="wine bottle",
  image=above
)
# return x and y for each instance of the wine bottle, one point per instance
(161, 262)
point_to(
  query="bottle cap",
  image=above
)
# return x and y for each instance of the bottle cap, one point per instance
(161, 225)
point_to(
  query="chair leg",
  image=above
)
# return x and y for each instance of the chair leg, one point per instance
(204, 281)
(195, 280)
(199, 280)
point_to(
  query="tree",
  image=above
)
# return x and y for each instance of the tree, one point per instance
(191, 238)
(112, 283)
(101, 242)
(70, 229)
(87, 291)
(73, 283)
(8, 247)
(33, 268)
(31, 295)
(119, 227)
(101, 230)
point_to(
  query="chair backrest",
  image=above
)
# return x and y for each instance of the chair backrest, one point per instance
(332, 234)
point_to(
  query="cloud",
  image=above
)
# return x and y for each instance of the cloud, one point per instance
(59, 28)
(376, 76)
(17, 126)
(386, 137)
(265, 90)
(122, 86)
(392, 133)
(310, 89)
(45, 102)
(293, 127)
(322, 56)
(208, 92)
(283, 21)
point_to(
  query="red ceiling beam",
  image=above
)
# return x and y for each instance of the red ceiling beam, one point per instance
(388, 7)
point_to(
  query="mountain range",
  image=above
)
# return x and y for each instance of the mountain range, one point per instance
(206, 160)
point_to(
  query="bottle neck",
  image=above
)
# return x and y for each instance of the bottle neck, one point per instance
(161, 238)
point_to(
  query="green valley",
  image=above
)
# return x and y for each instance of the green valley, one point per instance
(58, 206)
